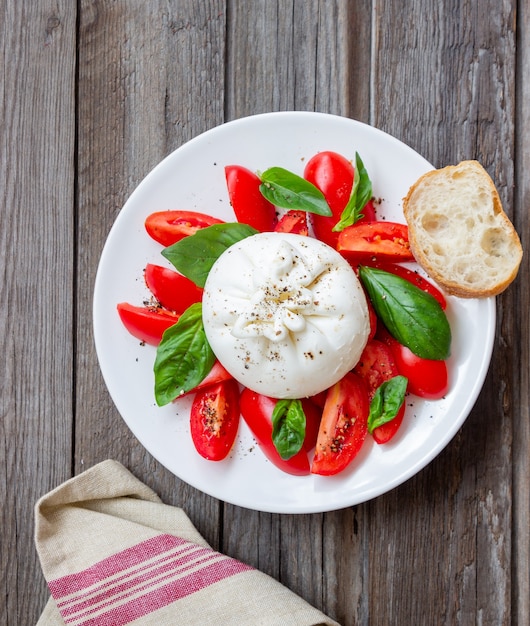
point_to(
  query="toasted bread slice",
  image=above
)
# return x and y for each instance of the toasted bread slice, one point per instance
(459, 232)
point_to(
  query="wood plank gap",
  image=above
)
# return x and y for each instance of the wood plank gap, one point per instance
(75, 235)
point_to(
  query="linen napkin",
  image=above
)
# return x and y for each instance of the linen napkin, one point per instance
(113, 554)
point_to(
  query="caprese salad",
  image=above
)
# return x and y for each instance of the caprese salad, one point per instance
(303, 317)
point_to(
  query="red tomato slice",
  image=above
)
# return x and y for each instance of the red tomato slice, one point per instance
(343, 427)
(387, 241)
(313, 415)
(369, 214)
(146, 324)
(333, 174)
(372, 316)
(414, 278)
(168, 227)
(319, 399)
(250, 207)
(427, 378)
(214, 419)
(173, 290)
(294, 222)
(257, 409)
(376, 365)
(217, 374)
(383, 434)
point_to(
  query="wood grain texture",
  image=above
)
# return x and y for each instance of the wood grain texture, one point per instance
(285, 55)
(520, 361)
(94, 95)
(36, 303)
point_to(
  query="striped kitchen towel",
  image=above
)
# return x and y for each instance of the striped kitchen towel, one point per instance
(114, 554)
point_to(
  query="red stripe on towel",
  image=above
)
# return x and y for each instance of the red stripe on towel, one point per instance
(115, 564)
(139, 580)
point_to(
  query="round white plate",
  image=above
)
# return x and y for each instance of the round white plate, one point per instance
(192, 178)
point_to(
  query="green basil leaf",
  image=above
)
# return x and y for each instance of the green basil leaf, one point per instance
(360, 194)
(183, 357)
(290, 191)
(386, 402)
(194, 256)
(411, 315)
(288, 427)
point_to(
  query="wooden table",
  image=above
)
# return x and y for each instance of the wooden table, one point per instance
(95, 94)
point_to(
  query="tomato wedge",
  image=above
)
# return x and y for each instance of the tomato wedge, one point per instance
(377, 365)
(214, 419)
(343, 427)
(313, 415)
(385, 432)
(427, 378)
(217, 374)
(257, 409)
(413, 277)
(333, 174)
(372, 316)
(168, 227)
(387, 241)
(294, 222)
(144, 323)
(173, 290)
(250, 207)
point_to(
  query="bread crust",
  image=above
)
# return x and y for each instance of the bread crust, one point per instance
(489, 272)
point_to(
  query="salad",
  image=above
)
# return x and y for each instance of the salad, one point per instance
(405, 350)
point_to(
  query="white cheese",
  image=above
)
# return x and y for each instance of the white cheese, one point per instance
(285, 314)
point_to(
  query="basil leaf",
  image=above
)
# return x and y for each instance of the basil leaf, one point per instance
(288, 427)
(194, 256)
(183, 357)
(411, 315)
(360, 194)
(386, 402)
(290, 191)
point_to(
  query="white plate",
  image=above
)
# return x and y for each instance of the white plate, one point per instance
(192, 178)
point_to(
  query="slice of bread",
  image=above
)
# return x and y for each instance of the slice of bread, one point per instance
(459, 232)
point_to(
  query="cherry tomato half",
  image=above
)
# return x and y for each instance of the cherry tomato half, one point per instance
(294, 222)
(214, 419)
(413, 277)
(144, 323)
(250, 206)
(385, 432)
(257, 409)
(427, 378)
(372, 316)
(333, 174)
(343, 427)
(173, 290)
(388, 241)
(217, 374)
(377, 365)
(313, 415)
(168, 227)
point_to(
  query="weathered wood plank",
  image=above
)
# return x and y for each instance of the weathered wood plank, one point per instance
(138, 100)
(286, 55)
(445, 86)
(521, 354)
(36, 251)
